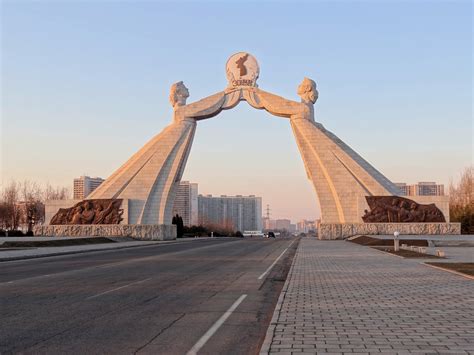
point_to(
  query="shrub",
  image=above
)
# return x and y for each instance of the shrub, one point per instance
(15, 233)
(461, 201)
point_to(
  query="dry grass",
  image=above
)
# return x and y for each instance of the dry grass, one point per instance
(464, 268)
(370, 241)
(408, 253)
(55, 243)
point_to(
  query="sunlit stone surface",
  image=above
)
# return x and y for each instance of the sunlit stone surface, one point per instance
(342, 178)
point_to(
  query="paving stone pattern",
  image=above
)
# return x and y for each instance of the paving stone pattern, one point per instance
(343, 298)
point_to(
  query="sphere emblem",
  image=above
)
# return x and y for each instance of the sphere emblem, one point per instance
(242, 70)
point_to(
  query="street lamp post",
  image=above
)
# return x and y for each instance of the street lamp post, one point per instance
(396, 242)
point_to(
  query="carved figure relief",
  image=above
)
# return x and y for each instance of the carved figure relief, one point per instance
(396, 209)
(100, 211)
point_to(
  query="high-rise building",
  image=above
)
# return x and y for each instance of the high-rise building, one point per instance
(282, 224)
(304, 226)
(278, 224)
(84, 185)
(421, 189)
(428, 189)
(243, 213)
(268, 223)
(186, 203)
(404, 188)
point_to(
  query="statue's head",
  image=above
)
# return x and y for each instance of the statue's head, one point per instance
(307, 91)
(178, 94)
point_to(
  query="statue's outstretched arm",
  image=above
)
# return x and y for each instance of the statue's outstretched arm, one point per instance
(205, 108)
(282, 107)
(214, 104)
(278, 105)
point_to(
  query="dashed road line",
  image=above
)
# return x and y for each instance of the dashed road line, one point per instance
(213, 329)
(273, 264)
(118, 288)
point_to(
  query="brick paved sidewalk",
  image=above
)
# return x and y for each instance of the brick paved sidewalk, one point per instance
(342, 298)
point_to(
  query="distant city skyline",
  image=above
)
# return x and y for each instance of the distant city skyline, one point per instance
(81, 91)
(422, 188)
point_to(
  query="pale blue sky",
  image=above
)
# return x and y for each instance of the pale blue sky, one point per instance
(85, 84)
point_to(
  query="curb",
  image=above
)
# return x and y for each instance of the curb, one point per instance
(447, 270)
(265, 349)
(163, 242)
(26, 257)
(381, 251)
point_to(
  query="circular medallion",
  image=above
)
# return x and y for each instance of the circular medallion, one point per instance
(242, 70)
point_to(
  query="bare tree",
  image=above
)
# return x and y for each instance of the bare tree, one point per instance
(23, 203)
(55, 193)
(11, 210)
(461, 201)
(225, 227)
(33, 206)
(3, 214)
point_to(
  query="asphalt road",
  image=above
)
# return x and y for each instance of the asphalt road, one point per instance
(211, 296)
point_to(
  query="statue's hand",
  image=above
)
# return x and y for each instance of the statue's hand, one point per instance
(231, 89)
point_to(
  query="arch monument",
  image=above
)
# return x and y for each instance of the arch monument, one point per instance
(353, 196)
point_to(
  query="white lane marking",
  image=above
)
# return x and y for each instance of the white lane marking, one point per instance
(118, 288)
(213, 329)
(110, 264)
(273, 264)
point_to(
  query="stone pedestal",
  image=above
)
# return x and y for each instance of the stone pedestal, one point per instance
(330, 231)
(136, 231)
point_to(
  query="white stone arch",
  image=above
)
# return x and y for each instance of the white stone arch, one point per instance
(341, 178)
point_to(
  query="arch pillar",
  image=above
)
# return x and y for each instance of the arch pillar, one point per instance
(346, 185)
(341, 178)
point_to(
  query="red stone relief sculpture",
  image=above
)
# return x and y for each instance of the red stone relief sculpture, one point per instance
(396, 209)
(100, 211)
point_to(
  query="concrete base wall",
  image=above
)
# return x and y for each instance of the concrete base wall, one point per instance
(136, 231)
(329, 231)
